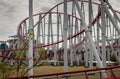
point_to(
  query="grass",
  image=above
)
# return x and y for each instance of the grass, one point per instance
(56, 69)
(20, 70)
(46, 69)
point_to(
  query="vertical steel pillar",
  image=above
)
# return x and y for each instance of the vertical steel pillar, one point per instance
(88, 35)
(76, 39)
(30, 49)
(41, 30)
(113, 11)
(55, 54)
(71, 24)
(58, 34)
(44, 31)
(70, 41)
(119, 48)
(103, 28)
(90, 26)
(65, 28)
(112, 19)
(98, 37)
(38, 31)
(110, 16)
(49, 33)
(86, 54)
(58, 28)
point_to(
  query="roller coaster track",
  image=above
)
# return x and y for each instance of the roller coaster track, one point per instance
(48, 28)
(49, 12)
(58, 13)
(44, 14)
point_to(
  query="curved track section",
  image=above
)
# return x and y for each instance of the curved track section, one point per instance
(48, 33)
(45, 24)
(88, 23)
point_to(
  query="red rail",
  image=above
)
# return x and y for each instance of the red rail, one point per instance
(113, 76)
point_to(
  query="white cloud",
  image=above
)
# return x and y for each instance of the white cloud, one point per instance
(43, 5)
(12, 12)
(115, 4)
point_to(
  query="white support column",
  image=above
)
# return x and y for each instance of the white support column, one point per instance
(75, 42)
(116, 16)
(38, 32)
(119, 48)
(88, 35)
(58, 28)
(110, 16)
(44, 27)
(65, 28)
(51, 28)
(49, 33)
(70, 30)
(55, 54)
(90, 26)
(86, 54)
(30, 49)
(98, 38)
(103, 28)
(112, 19)
(58, 35)
(71, 55)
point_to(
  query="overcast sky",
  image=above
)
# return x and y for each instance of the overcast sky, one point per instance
(12, 12)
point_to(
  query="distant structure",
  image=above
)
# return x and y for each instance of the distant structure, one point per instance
(74, 32)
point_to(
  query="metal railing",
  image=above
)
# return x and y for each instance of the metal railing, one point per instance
(112, 72)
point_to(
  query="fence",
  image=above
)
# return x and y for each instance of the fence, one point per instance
(113, 72)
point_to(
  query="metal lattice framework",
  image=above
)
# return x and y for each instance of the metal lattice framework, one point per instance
(85, 30)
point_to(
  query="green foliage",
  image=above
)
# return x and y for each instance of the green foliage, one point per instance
(42, 53)
(20, 54)
(113, 58)
(4, 71)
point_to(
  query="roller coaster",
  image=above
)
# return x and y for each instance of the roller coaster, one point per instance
(73, 31)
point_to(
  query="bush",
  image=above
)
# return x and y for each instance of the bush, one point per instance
(113, 58)
(4, 71)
